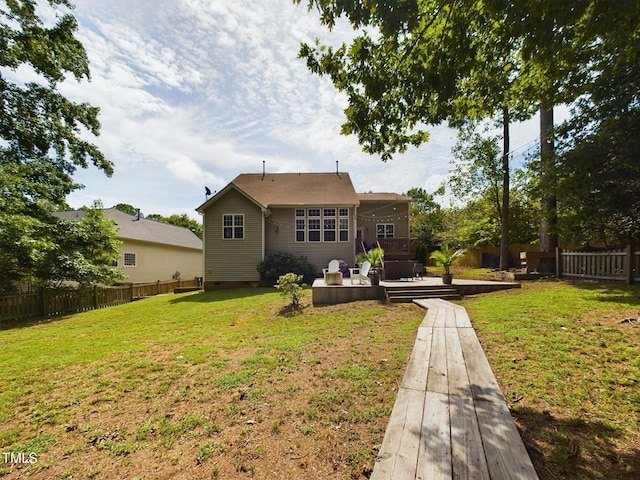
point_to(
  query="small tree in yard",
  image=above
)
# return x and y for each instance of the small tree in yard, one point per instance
(289, 286)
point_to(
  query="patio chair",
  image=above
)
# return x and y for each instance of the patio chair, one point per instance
(332, 274)
(361, 273)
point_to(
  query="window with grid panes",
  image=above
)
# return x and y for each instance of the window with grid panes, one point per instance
(385, 230)
(129, 259)
(233, 226)
(329, 224)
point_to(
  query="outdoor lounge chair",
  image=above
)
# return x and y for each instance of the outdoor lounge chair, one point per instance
(361, 273)
(332, 275)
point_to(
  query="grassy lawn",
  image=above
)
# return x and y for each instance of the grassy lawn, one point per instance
(215, 385)
(570, 372)
(229, 385)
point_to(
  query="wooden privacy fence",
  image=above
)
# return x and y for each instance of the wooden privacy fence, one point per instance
(158, 288)
(51, 303)
(617, 265)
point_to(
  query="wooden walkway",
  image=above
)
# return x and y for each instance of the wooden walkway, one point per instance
(450, 419)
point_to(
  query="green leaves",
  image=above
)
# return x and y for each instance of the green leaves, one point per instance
(444, 258)
(41, 145)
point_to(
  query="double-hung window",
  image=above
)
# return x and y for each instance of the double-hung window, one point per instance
(233, 226)
(329, 225)
(314, 225)
(301, 225)
(343, 225)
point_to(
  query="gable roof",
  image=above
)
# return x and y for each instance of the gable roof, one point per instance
(142, 229)
(293, 189)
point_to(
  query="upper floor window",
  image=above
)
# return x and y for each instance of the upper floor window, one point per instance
(233, 226)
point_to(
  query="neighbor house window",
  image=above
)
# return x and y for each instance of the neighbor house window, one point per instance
(385, 230)
(322, 224)
(233, 226)
(129, 259)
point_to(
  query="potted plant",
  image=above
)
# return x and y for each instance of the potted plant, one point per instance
(375, 256)
(444, 258)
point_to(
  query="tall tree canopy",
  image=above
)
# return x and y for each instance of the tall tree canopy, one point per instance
(599, 149)
(41, 131)
(421, 62)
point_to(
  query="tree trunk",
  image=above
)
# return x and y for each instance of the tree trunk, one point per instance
(548, 225)
(504, 220)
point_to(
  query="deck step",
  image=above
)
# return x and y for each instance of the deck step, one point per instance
(408, 294)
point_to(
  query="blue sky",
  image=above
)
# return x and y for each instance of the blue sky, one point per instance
(194, 92)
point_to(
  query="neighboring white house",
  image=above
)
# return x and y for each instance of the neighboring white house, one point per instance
(151, 250)
(317, 215)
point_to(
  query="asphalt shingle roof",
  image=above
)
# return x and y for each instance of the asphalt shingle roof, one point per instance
(132, 228)
(292, 189)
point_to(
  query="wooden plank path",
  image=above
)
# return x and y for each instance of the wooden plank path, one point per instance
(450, 419)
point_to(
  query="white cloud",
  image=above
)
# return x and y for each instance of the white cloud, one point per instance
(194, 92)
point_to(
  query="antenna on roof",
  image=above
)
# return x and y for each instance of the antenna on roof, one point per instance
(263, 169)
(338, 169)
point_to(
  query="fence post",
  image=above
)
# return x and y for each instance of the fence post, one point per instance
(131, 292)
(628, 265)
(558, 263)
(95, 297)
(45, 302)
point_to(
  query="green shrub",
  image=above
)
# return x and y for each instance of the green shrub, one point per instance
(276, 264)
(289, 286)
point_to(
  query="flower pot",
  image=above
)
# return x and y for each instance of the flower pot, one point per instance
(375, 278)
(447, 278)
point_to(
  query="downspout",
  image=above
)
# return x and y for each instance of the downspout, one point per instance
(265, 213)
(355, 233)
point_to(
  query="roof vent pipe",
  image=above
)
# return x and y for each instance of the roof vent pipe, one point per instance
(338, 169)
(263, 169)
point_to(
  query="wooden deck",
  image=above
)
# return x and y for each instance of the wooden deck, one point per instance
(450, 419)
